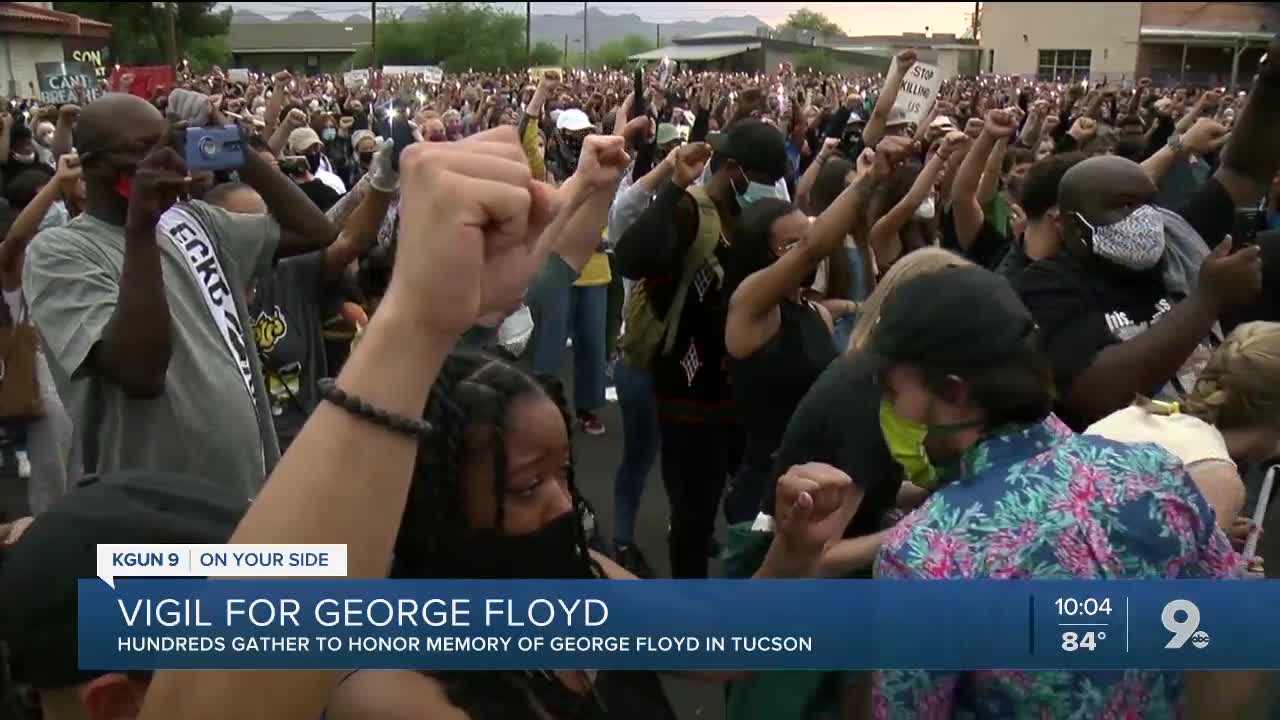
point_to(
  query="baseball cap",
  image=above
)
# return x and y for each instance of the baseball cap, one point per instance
(38, 616)
(956, 320)
(754, 145)
(897, 116)
(573, 120)
(301, 139)
(855, 119)
(667, 133)
(942, 122)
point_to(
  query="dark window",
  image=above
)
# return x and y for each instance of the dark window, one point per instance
(1064, 65)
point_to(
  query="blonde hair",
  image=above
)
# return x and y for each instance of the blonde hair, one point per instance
(1240, 387)
(913, 264)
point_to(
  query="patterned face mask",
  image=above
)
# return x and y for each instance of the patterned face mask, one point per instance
(1136, 242)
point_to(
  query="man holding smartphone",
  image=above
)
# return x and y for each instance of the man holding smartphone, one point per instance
(140, 301)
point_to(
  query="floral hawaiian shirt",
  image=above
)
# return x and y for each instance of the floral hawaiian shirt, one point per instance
(1044, 502)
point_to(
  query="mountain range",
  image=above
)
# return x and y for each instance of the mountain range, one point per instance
(602, 27)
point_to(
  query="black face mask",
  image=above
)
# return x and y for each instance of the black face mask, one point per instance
(313, 161)
(366, 157)
(549, 553)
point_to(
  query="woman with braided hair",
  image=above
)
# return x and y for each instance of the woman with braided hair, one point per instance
(493, 497)
(1230, 420)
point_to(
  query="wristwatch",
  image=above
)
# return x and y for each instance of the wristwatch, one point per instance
(1175, 143)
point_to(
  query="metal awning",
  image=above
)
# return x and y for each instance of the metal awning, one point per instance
(696, 53)
(1193, 36)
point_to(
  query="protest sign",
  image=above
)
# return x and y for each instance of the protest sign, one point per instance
(93, 51)
(918, 92)
(67, 82)
(147, 79)
(430, 73)
(238, 75)
(356, 78)
(536, 73)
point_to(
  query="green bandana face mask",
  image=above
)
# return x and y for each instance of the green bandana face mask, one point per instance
(906, 444)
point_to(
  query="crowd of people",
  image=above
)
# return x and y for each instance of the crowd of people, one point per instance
(1033, 333)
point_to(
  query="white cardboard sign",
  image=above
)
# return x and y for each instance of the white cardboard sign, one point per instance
(918, 92)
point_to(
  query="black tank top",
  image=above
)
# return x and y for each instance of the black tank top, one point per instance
(769, 384)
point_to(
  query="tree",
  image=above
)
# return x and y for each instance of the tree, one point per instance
(614, 54)
(453, 35)
(544, 54)
(140, 33)
(806, 19)
(815, 60)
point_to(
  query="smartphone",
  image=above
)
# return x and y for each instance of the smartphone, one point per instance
(213, 148)
(1246, 225)
(637, 87)
(401, 136)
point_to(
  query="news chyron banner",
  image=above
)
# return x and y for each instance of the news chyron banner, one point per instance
(153, 608)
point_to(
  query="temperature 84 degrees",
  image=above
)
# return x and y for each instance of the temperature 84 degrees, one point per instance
(1073, 641)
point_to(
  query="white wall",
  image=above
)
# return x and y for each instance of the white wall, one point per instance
(19, 55)
(1109, 29)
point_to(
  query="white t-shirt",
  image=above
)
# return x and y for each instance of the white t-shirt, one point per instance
(1189, 438)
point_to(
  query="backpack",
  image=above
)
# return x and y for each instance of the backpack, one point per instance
(644, 329)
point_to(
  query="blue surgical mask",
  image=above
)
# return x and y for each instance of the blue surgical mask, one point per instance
(328, 134)
(755, 191)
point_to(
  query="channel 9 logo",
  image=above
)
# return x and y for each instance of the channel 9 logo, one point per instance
(1184, 628)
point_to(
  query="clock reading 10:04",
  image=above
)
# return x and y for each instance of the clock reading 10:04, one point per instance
(1072, 607)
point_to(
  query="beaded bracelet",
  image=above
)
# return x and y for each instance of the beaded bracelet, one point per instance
(330, 391)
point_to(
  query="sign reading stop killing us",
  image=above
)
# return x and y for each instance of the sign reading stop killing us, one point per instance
(62, 82)
(918, 92)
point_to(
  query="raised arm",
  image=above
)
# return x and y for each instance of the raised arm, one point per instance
(1250, 159)
(1122, 371)
(753, 318)
(467, 242)
(64, 131)
(27, 224)
(903, 62)
(805, 185)
(965, 203)
(1205, 137)
(303, 227)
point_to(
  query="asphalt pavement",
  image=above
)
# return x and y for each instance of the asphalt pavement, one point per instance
(596, 460)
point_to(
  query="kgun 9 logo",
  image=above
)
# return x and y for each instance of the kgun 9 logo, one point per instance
(1185, 629)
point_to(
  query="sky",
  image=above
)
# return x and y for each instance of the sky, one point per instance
(861, 18)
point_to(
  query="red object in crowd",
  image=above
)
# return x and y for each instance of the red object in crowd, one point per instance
(148, 80)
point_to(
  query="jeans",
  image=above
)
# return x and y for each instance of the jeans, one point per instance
(640, 437)
(695, 461)
(613, 321)
(584, 315)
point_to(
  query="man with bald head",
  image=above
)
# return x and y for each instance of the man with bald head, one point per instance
(139, 302)
(1131, 304)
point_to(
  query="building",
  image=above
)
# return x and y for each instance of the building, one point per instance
(767, 48)
(301, 47)
(33, 33)
(1201, 43)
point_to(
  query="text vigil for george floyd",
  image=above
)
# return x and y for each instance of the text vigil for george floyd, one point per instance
(276, 617)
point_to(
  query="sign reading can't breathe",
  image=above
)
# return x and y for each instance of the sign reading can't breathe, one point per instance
(67, 82)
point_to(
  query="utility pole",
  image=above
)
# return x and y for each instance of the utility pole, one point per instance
(170, 10)
(528, 34)
(373, 34)
(585, 44)
(565, 56)
(976, 20)
(657, 35)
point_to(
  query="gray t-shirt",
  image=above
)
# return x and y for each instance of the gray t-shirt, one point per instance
(205, 423)
(286, 319)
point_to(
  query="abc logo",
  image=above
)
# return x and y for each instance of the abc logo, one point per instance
(208, 146)
(1200, 640)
